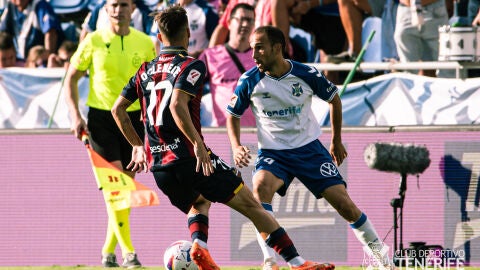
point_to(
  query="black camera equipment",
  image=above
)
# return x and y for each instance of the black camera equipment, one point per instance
(401, 158)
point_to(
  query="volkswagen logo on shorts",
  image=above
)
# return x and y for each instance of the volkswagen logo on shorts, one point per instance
(328, 169)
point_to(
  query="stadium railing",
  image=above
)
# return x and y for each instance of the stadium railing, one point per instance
(461, 68)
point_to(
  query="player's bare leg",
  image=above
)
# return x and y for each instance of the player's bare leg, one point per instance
(264, 186)
(274, 235)
(363, 229)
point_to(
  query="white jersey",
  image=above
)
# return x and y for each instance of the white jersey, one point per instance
(202, 20)
(282, 106)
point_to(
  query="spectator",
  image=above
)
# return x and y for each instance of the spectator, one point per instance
(37, 57)
(262, 17)
(62, 58)
(417, 38)
(320, 18)
(389, 16)
(220, 6)
(98, 18)
(315, 18)
(302, 14)
(8, 54)
(202, 20)
(473, 12)
(161, 5)
(32, 22)
(3, 4)
(226, 63)
(353, 13)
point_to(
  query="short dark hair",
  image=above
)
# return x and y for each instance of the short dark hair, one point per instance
(6, 41)
(241, 6)
(69, 46)
(171, 21)
(274, 35)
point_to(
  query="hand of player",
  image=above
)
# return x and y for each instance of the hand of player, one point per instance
(338, 153)
(203, 160)
(139, 160)
(241, 156)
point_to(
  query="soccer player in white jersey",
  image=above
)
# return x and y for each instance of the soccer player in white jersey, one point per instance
(279, 92)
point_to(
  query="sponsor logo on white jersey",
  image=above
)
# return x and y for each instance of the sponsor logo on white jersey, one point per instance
(289, 111)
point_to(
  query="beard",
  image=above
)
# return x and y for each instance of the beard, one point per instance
(264, 66)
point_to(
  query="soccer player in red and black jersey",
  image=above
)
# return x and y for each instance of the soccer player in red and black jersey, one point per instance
(185, 169)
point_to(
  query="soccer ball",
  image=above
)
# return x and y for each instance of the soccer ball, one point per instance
(177, 256)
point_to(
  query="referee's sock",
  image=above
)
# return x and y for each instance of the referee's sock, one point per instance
(110, 241)
(120, 222)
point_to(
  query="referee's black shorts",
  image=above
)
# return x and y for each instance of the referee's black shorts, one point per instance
(107, 139)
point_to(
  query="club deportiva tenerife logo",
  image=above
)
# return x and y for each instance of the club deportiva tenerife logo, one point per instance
(376, 256)
(297, 90)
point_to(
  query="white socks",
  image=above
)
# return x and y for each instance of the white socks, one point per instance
(366, 234)
(364, 230)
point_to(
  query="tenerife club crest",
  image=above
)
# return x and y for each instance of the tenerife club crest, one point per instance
(297, 90)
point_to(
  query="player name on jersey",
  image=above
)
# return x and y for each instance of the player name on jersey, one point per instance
(160, 68)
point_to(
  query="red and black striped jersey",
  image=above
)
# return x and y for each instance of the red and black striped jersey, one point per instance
(153, 85)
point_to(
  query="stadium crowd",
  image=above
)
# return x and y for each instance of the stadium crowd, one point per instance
(39, 34)
(44, 35)
(319, 30)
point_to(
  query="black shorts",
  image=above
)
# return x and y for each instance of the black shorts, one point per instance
(327, 30)
(107, 139)
(182, 185)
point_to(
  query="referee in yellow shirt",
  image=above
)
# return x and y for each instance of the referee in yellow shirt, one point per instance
(111, 56)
